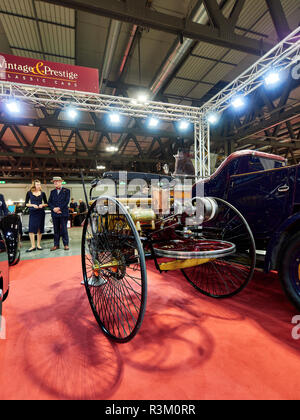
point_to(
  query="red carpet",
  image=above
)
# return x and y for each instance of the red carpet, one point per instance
(189, 347)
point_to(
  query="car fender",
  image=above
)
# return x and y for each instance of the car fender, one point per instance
(276, 243)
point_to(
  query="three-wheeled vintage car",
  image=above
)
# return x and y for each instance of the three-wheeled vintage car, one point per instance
(142, 216)
(252, 201)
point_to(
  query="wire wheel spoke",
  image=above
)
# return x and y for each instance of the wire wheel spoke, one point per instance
(114, 270)
(228, 275)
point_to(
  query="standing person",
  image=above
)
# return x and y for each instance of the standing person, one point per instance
(59, 204)
(36, 200)
(3, 208)
(82, 210)
(73, 204)
(72, 211)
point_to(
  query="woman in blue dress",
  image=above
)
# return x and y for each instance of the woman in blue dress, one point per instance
(36, 200)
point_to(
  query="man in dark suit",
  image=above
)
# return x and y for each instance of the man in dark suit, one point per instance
(3, 208)
(59, 204)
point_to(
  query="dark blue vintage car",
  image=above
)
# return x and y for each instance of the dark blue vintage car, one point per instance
(267, 193)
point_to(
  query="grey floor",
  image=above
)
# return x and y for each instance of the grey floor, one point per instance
(47, 243)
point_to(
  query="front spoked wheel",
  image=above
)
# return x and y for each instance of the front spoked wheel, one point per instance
(114, 269)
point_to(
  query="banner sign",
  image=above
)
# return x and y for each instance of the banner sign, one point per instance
(46, 73)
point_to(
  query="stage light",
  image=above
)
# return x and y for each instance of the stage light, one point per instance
(72, 113)
(114, 118)
(143, 98)
(238, 102)
(111, 149)
(213, 118)
(153, 122)
(272, 78)
(183, 125)
(13, 106)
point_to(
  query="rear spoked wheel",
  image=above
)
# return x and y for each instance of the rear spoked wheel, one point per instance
(114, 270)
(224, 276)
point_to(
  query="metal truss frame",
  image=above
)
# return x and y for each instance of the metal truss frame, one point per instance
(282, 56)
(98, 103)
(263, 112)
(202, 149)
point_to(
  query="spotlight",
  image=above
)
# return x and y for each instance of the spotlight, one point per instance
(114, 118)
(72, 113)
(143, 98)
(183, 125)
(272, 78)
(213, 118)
(100, 167)
(238, 102)
(153, 122)
(13, 106)
(111, 149)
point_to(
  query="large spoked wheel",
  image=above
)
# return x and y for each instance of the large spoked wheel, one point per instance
(225, 275)
(114, 269)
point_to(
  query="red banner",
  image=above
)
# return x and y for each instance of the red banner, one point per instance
(46, 73)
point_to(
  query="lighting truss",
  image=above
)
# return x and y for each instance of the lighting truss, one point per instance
(202, 148)
(282, 56)
(92, 102)
(99, 103)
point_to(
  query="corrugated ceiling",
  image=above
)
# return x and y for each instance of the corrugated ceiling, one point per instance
(54, 13)
(28, 37)
(195, 68)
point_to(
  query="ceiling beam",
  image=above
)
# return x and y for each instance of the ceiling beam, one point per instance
(215, 14)
(278, 17)
(149, 18)
(236, 11)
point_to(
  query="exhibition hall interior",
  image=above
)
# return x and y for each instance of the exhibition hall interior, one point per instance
(150, 202)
